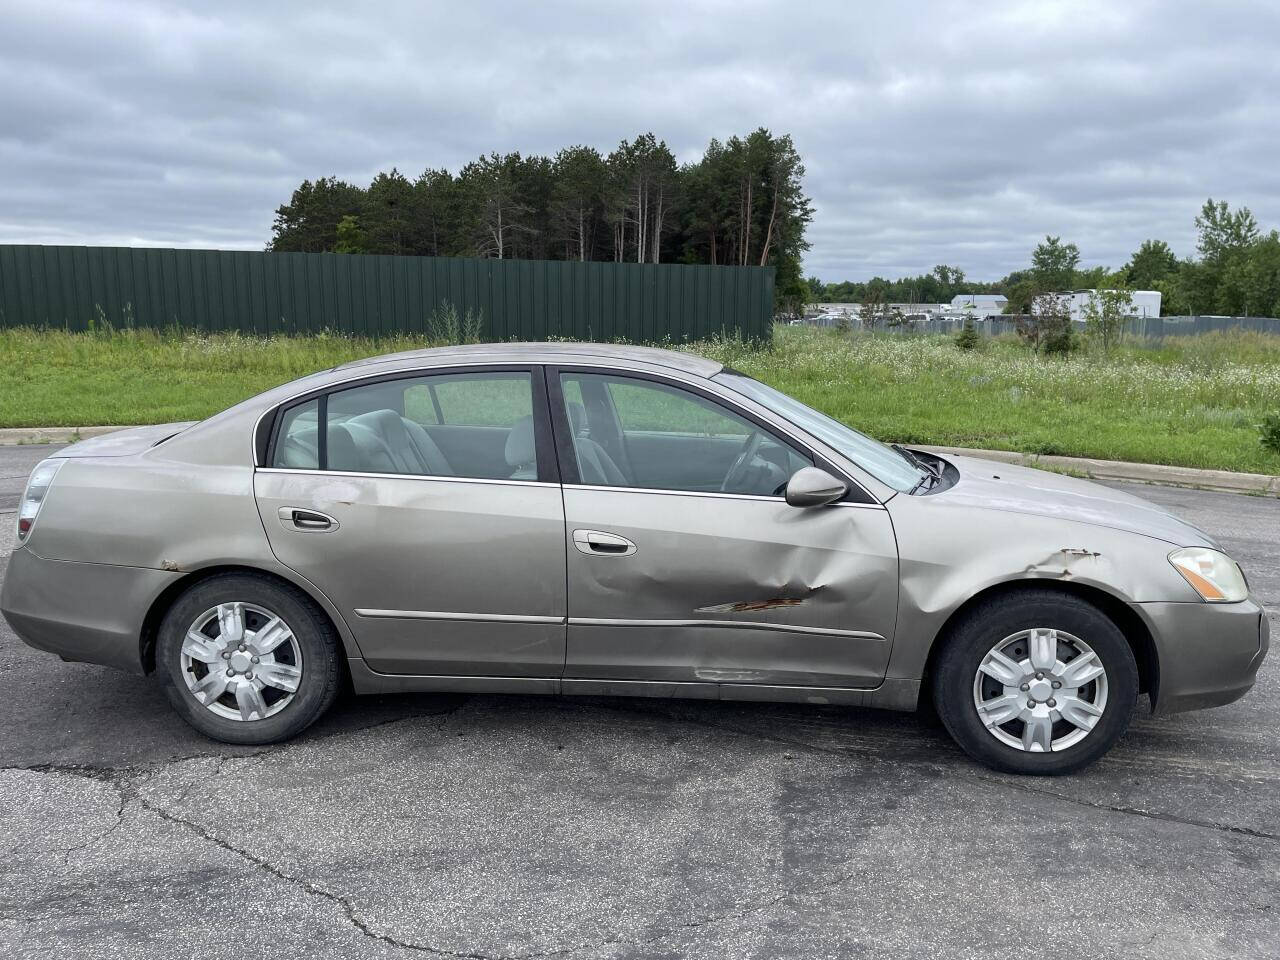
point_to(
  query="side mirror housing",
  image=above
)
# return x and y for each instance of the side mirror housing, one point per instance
(811, 487)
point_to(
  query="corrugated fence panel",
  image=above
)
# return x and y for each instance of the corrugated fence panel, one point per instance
(1140, 330)
(87, 288)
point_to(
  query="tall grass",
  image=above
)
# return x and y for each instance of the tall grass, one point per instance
(1194, 401)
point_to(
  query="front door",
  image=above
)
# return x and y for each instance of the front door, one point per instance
(430, 516)
(685, 563)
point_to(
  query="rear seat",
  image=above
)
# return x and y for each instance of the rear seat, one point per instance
(385, 442)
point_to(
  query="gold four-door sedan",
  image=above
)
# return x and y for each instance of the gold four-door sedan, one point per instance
(605, 520)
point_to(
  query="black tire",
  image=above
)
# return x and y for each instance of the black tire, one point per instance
(990, 622)
(321, 674)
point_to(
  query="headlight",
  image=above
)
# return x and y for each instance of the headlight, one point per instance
(1213, 575)
(37, 487)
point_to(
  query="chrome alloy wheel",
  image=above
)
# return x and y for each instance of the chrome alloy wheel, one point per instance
(241, 661)
(1040, 690)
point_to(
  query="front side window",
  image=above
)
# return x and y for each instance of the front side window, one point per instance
(473, 425)
(882, 462)
(629, 432)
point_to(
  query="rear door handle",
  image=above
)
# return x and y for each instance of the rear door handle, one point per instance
(597, 543)
(311, 521)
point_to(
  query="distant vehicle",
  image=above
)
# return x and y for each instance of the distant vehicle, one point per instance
(597, 519)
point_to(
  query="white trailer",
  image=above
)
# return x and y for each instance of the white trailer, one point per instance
(1144, 303)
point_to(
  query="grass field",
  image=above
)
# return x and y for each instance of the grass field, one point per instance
(1194, 402)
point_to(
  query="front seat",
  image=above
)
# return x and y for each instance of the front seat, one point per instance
(520, 451)
(594, 462)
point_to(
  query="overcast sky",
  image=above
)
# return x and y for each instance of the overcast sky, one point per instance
(932, 132)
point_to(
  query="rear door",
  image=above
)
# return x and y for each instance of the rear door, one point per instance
(427, 508)
(686, 564)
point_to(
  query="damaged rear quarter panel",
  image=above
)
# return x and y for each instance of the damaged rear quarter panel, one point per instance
(952, 552)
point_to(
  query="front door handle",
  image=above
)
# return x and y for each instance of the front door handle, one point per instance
(310, 521)
(597, 543)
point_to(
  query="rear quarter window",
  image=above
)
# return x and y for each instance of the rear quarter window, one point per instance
(296, 442)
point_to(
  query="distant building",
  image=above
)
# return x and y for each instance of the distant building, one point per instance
(979, 305)
(1145, 303)
(918, 309)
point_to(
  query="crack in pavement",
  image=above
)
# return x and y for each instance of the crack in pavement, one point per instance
(135, 778)
(123, 795)
(100, 771)
(128, 791)
(308, 886)
(364, 927)
(111, 778)
(1135, 811)
(127, 781)
(846, 752)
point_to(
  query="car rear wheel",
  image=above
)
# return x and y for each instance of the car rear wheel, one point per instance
(1036, 682)
(247, 659)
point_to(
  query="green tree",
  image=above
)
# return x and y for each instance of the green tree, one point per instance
(577, 204)
(644, 180)
(1225, 238)
(308, 223)
(1046, 327)
(1105, 314)
(350, 238)
(968, 337)
(1151, 263)
(1223, 232)
(434, 213)
(1244, 281)
(387, 214)
(742, 203)
(793, 294)
(494, 213)
(871, 312)
(1053, 265)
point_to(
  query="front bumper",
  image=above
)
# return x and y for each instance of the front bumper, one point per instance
(1209, 653)
(81, 611)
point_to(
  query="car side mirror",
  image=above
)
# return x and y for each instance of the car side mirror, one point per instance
(811, 487)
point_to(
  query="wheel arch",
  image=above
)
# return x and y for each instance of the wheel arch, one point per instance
(169, 595)
(1130, 623)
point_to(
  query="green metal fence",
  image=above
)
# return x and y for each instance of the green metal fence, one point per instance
(87, 288)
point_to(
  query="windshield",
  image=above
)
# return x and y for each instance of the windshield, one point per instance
(884, 463)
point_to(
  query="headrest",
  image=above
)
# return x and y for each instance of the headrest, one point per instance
(577, 418)
(342, 451)
(520, 449)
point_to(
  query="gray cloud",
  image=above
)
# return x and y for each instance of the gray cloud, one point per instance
(936, 132)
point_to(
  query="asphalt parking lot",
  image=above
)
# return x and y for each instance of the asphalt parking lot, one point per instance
(488, 826)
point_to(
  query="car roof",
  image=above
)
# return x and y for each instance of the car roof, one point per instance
(546, 353)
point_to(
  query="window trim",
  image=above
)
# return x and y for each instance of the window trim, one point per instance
(544, 444)
(856, 494)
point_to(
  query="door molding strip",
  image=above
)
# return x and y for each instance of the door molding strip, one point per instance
(375, 614)
(727, 624)
(441, 615)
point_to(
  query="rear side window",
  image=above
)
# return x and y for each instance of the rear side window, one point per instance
(473, 425)
(477, 400)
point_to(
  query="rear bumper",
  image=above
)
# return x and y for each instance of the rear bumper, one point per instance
(1209, 654)
(91, 612)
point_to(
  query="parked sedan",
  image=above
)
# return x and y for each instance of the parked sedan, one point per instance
(604, 520)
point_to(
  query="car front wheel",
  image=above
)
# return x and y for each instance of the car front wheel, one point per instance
(1036, 682)
(247, 659)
